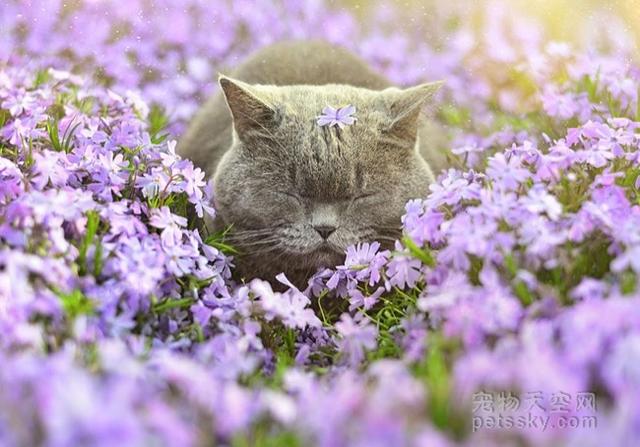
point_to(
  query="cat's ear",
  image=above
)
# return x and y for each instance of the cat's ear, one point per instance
(405, 106)
(250, 111)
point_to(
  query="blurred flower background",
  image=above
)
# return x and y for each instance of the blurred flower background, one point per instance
(121, 320)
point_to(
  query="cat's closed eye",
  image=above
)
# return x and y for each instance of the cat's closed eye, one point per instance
(291, 195)
(305, 199)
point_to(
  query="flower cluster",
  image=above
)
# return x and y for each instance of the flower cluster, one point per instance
(121, 321)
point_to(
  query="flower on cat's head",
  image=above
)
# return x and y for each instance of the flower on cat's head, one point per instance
(342, 116)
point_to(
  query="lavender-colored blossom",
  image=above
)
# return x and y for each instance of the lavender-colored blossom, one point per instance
(340, 117)
(508, 173)
(403, 270)
(290, 307)
(355, 338)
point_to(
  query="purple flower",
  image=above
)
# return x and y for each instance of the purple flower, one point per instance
(153, 183)
(403, 271)
(170, 224)
(355, 338)
(19, 103)
(290, 307)
(193, 181)
(507, 173)
(204, 201)
(341, 117)
(622, 366)
(365, 262)
(357, 299)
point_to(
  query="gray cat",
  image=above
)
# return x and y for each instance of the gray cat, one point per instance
(297, 193)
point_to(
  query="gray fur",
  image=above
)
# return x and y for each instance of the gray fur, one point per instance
(281, 180)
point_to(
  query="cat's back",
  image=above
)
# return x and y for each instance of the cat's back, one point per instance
(284, 63)
(308, 62)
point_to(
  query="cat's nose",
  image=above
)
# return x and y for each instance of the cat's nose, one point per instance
(324, 230)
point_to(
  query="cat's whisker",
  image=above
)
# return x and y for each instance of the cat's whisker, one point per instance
(250, 232)
(265, 251)
(385, 229)
(277, 254)
(388, 229)
(251, 238)
(257, 246)
(385, 238)
(397, 233)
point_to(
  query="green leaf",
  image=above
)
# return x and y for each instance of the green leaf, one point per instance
(75, 304)
(42, 77)
(158, 121)
(67, 138)
(171, 303)
(4, 117)
(265, 436)
(97, 259)
(217, 240)
(628, 283)
(93, 222)
(510, 264)
(434, 371)
(423, 254)
(52, 131)
(522, 292)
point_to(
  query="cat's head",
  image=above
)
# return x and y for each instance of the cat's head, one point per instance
(297, 193)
